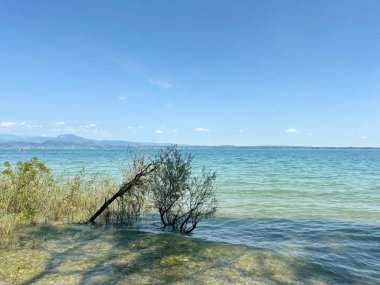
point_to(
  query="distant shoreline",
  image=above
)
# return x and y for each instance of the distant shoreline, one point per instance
(71, 141)
(26, 146)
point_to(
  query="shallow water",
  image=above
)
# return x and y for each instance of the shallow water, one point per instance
(86, 255)
(287, 216)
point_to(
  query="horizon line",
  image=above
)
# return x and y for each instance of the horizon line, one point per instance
(188, 145)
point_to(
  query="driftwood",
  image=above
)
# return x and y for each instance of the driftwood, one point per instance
(145, 171)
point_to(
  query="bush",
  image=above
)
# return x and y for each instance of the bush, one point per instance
(22, 184)
(181, 199)
(30, 193)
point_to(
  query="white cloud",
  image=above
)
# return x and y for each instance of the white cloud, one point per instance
(22, 125)
(173, 131)
(121, 98)
(202, 130)
(292, 131)
(160, 83)
(8, 124)
(158, 132)
(363, 137)
(309, 134)
(91, 126)
(59, 123)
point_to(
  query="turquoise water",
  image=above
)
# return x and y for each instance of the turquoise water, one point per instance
(318, 209)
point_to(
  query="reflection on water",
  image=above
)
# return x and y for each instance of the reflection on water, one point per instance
(280, 252)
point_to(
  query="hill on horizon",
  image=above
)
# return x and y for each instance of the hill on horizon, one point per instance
(66, 141)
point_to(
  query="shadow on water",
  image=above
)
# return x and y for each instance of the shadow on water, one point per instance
(280, 251)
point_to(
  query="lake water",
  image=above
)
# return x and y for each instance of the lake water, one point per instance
(286, 216)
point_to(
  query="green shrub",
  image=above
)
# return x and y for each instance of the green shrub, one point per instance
(29, 193)
(23, 183)
(181, 199)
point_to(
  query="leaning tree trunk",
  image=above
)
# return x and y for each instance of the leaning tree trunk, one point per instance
(146, 171)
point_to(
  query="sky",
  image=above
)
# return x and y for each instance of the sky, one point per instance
(262, 72)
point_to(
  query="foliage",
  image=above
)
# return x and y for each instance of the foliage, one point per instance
(181, 199)
(24, 180)
(30, 193)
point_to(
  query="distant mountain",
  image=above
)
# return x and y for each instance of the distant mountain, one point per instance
(72, 139)
(65, 141)
(69, 140)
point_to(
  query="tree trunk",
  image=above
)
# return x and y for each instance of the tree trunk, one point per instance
(146, 170)
(108, 202)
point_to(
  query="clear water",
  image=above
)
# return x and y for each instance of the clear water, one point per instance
(287, 216)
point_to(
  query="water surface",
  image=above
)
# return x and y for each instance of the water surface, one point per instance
(287, 216)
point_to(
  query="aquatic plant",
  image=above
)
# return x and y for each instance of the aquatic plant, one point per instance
(181, 199)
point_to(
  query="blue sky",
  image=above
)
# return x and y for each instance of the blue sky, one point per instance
(193, 72)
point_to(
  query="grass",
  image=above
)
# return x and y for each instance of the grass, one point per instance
(30, 194)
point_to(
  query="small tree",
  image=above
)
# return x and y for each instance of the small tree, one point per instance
(181, 199)
(131, 193)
